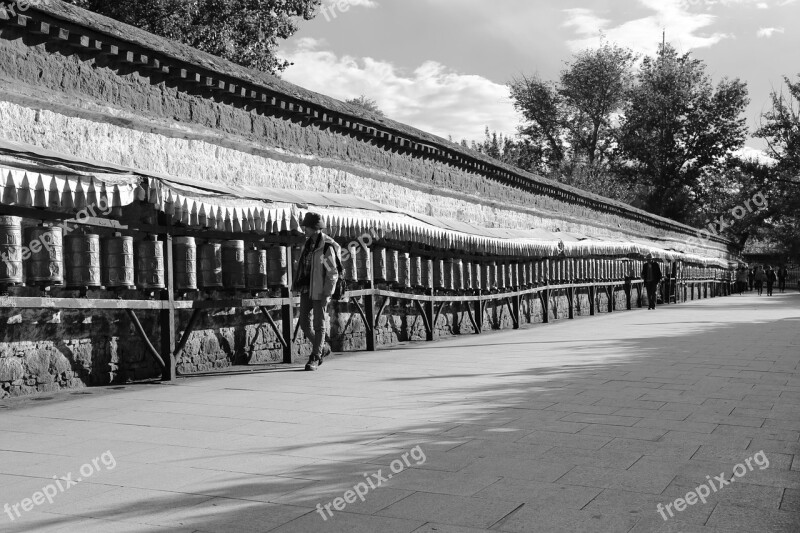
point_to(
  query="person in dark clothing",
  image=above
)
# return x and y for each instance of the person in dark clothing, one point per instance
(315, 280)
(751, 278)
(760, 278)
(771, 279)
(651, 274)
(782, 275)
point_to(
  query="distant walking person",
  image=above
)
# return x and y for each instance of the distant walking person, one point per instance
(741, 280)
(760, 277)
(782, 275)
(651, 274)
(751, 278)
(771, 279)
(315, 280)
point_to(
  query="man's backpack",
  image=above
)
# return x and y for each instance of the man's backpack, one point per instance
(341, 284)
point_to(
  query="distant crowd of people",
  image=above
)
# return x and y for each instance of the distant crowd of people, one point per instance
(758, 278)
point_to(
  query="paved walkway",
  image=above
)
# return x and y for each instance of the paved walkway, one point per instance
(576, 426)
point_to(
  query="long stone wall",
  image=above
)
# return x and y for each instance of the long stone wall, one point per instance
(58, 93)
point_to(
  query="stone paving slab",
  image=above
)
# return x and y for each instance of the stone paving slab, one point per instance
(576, 426)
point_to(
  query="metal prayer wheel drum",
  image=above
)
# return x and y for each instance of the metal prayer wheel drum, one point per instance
(500, 276)
(438, 274)
(458, 274)
(348, 262)
(233, 268)
(512, 277)
(364, 264)
(489, 275)
(416, 271)
(278, 267)
(46, 264)
(427, 273)
(570, 269)
(82, 260)
(211, 266)
(466, 276)
(256, 277)
(477, 277)
(392, 266)
(184, 262)
(150, 264)
(118, 264)
(10, 250)
(447, 274)
(404, 270)
(379, 263)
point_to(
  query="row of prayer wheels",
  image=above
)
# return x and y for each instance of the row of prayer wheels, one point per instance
(406, 270)
(84, 260)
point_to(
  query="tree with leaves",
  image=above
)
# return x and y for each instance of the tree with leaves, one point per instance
(678, 132)
(571, 121)
(366, 103)
(780, 127)
(242, 31)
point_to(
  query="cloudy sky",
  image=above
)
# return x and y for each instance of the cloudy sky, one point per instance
(442, 65)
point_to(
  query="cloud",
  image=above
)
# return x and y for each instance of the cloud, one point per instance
(643, 35)
(766, 33)
(432, 97)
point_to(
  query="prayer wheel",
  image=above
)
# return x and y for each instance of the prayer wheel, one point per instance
(438, 274)
(278, 266)
(513, 276)
(233, 267)
(118, 270)
(447, 274)
(379, 263)
(502, 276)
(256, 274)
(544, 271)
(349, 264)
(82, 260)
(537, 273)
(416, 272)
(46, 264)
(552, 273)
(427, 273)
(485, 276)
(477, 269)
(392, 266)
(404, 270)
(491, 275)
(10, 250)
(467, 275)
(150, 264)
(185, 263)
(364, 264)
(211, 266)
(458, 274)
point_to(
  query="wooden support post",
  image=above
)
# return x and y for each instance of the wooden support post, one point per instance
(628, 290)
(610, 293)
(545, 296)
(429, 309)
(479, 315)
(287, 311)
(369, 318)
(592, 300)
(187, 332)
(143, 335)
(167, 315)
(571, 301)
(515, 310)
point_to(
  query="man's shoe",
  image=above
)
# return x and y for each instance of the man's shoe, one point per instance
(326, 351)
(311, 365)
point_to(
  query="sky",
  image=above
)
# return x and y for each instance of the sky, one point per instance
(442, 65)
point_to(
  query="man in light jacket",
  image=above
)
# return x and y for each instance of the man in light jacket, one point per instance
(315, 280)
(651, 274)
